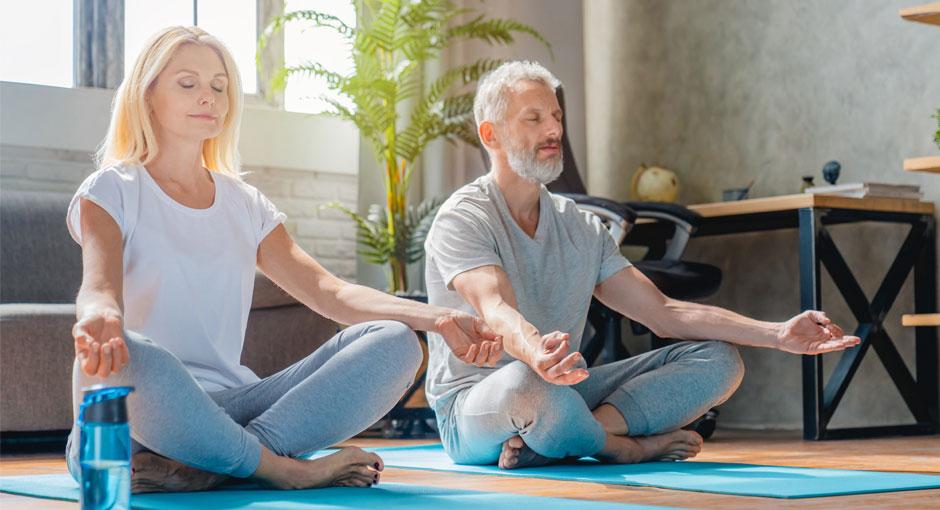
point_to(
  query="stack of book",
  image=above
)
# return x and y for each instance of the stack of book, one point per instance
(870, 189)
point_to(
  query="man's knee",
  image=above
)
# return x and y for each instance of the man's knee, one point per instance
(728, 366)
(529, 398)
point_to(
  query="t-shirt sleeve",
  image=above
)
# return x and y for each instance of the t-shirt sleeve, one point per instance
(611, 260)
(107, 190)
(458, 242)
(267, 215)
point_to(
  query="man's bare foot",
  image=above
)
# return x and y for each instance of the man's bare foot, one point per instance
(349, 467)
(516, 454)
(675, 445)
(155, 473)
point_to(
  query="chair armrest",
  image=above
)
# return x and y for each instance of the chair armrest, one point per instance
(685, 220)
(617, 216)
(673, 213)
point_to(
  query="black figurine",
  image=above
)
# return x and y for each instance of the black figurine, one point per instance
(831, 171)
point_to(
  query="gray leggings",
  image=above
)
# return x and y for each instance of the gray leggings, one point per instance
(656, 392)
(331, 395)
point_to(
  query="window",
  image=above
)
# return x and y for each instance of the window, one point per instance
(33, 55)
(304, 43)
(234, 22)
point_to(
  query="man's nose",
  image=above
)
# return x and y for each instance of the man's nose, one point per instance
(555, 129)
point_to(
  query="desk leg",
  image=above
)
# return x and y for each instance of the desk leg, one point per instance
(811, 299)
(925, 301)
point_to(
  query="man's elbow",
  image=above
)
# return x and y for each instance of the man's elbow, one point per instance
(665, 322)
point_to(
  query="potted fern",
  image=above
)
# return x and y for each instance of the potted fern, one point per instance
(390, 44)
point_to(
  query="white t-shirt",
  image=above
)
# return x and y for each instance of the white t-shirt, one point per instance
(188, 273)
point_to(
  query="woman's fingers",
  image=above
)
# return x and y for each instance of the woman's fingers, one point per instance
(471, 353)
(104, 365)
(88, 359)
(117, 355)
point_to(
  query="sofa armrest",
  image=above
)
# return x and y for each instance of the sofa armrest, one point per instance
(268, 295)
(36, 357)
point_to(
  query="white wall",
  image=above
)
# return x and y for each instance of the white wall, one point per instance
(48, 135)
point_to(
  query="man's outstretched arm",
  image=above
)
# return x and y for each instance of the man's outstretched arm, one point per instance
(633, 295)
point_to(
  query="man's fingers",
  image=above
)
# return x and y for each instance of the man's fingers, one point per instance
(553, 340)
(819, 317)
(555, 356)
(565, 365)
(835, 330)
(570, 378)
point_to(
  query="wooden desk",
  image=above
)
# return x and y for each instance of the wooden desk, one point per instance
(810, 215)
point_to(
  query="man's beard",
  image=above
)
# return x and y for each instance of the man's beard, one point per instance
(526, 164)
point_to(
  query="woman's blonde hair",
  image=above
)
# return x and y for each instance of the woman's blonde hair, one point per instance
(131, 138)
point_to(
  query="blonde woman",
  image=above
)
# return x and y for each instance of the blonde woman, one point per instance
(170, 240)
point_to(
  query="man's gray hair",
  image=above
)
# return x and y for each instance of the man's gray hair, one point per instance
(492, 91)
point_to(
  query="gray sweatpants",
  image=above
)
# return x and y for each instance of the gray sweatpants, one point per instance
(656, 392)
(331, 395)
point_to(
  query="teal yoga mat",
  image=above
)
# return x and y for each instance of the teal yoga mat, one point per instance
(390, 496)
(717, 477)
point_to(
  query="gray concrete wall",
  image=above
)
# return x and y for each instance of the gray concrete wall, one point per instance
(725, 91)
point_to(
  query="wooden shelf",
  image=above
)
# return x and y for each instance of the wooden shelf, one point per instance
(929, 13)
(926, 164)
(923, 319)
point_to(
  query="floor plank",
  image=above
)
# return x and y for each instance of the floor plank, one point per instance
(903, 454)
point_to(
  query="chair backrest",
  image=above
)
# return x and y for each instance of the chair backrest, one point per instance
(570, 180)
(39, 261)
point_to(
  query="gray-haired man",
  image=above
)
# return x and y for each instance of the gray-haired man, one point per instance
(528, 262)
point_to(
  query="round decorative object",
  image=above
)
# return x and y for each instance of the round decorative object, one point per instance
(655, 184)
(831, 171)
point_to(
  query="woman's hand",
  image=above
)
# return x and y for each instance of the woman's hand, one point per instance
(99, 344)
(469, 338)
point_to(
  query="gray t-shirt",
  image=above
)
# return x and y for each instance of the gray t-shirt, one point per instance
(553, 274)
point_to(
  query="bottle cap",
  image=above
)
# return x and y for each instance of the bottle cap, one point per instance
(103, 404)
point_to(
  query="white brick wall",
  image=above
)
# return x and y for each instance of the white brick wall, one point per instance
(326, 234)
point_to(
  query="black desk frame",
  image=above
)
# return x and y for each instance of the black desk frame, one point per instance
(917, 253)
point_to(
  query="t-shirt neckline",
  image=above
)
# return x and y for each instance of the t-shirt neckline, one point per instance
(178, 206)
(504, 209)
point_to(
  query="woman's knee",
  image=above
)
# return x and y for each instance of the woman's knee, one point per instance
(401, 345)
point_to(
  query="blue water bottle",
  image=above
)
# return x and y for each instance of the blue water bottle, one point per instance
(105, 448)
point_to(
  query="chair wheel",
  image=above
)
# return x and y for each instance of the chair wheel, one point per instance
(705, 425)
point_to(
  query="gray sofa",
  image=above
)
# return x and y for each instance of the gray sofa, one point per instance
(40, 273)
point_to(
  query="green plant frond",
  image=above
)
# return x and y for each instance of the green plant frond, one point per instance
(382, 29)
(333, 80)
(458, 106)
(493, 31)
(316, 19)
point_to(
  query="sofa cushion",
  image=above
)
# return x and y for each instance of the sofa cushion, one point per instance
(39, 261)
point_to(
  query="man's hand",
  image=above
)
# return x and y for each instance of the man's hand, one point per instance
(553, 363)
(811, 332)
(99, 344)
(469, 338)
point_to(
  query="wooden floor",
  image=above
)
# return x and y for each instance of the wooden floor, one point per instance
(917, 454)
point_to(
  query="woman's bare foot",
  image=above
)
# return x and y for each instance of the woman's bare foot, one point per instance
(349, 467)
(154, 473)
(516, 454)
(675, 445)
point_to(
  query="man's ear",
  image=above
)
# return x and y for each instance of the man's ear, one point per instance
(487, 132)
